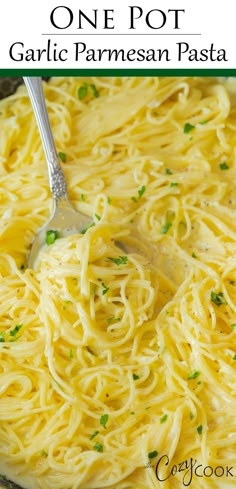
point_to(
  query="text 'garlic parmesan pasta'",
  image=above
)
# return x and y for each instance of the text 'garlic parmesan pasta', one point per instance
(113, 363)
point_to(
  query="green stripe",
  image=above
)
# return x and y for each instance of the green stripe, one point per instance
(117, 72)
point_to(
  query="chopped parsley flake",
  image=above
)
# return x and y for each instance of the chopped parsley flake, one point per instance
(94, 434)
(193, 375)
(234, 357)
(194, 255)
(135, 377)
(199, 429)
(152, 454)
(2, 339)
(43, 454)
(51, 236)
(84, 90)
(233, 326)
(83, 197)
(168, 171)
(105, 289)
(122, 260)
(188, 128)
(83, 231)
(140, 193)
(224, 166)
(163, 418)
(98, 447)
(218, 299)
(191, 415)
(71, 353)
(113, 319)
(174, 184)
(104, 419)
(166, 227)
(14, 331)
(62, 156)
(203, 122)
(94, 90)
(98, 217)
(109, 200)
(22, 267)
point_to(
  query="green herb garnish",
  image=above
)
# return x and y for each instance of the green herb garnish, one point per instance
(83, 231)
(193, 375)
(163, 418)
(98, 447)
(199, 429)
(122, 260)
(43, 454)
(84, 90)
(152, 454)
(104, 419)
(109, 200)
(233, 325)
(188, 128)
(17, 328)
(113, 319)
(168, 171)
(51, 236)
(71, 353)
(2, 337)
(83, 197)
(191, 415)
(218, 299)
(94, 90)
(93, 435)
(105, 289)
(141, 191)
(98, 217)
(174, 184)
(135, 377)
(224, 166)
(194, 255)
(62, 156)
(166, 227)
(203, 122)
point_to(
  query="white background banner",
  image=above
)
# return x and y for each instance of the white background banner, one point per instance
(117, 34)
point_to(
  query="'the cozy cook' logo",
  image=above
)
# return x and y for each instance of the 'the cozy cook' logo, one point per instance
(188, 469)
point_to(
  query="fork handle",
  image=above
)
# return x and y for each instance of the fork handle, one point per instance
(57, 180)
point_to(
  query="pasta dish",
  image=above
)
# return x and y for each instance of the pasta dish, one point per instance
(117, 369)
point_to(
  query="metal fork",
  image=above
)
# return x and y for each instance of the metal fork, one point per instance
(65, 219)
